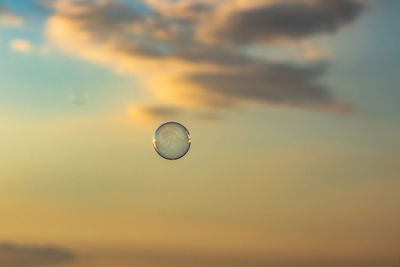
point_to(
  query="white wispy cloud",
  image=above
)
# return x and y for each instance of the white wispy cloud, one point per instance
(21, 46)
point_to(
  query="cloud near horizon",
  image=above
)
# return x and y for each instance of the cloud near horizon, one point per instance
(13, 255)
(192, 53)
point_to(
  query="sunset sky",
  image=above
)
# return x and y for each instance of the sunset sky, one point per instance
(293, 109)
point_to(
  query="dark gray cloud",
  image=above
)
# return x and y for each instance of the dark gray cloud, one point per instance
(13, 255)
(160, 111)
(287, 20)
(172, 112)
(277, 83)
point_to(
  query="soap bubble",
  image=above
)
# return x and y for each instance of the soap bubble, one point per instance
(171, 140)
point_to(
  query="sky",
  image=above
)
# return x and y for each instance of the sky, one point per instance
(292, 106)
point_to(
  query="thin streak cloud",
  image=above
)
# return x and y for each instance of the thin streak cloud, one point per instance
(15, 255)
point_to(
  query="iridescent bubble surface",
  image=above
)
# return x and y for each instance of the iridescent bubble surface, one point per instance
(172, 140)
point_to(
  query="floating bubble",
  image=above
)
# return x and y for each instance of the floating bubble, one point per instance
(171, 140)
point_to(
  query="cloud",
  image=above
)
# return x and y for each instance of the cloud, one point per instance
(271, 83)
(283, 20)
(12, 255)
(160, 113)
(21, 46)
(9, 19)
(193, 258)
(191, 53)
(144, 113)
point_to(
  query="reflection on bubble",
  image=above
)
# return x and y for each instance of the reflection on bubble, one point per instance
(172, 140)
